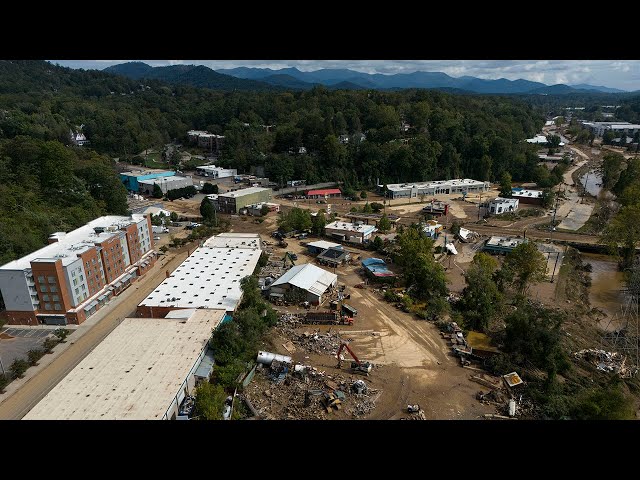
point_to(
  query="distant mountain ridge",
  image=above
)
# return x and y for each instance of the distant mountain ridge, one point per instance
(249, 78)
(438, 80)
(193, 75)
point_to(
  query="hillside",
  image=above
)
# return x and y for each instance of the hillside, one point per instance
(193, 75)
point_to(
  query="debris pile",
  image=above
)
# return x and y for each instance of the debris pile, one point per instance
(307, 394)
(612, 362)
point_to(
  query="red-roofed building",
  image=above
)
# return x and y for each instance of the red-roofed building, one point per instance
(329, 192)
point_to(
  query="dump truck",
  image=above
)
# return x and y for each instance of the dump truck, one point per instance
(327, 318)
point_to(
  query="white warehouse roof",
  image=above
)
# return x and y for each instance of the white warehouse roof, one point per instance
(323, 244)
(308, 277)
(234, 240)
(243, 192)
(209, 278)
(133, 374)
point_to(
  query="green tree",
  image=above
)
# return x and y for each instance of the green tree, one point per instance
(559, 121)
(34, 355)
(622, 234)
(604, 403)
(210, 401)
(157, 191)
(367, 208)
(481, 299)
(318, 223)
(264, 210)
(525, 265)
(18, 367)
(424, 277)
(533, 335)
(378, 244)
(173, 216)
(48, 345)
(207, 211)
(548, 197)
(376, 207)
(62, 334)
(295, 219)
(384, 224)
(210, 188)
(505, 185)
(363, 195)
(607, 137)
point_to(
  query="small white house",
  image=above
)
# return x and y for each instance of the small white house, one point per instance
(503, 205)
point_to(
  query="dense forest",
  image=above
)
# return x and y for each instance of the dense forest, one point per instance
(47, 187)
(449, 136)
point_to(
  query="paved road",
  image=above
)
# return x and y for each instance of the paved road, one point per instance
(28, 395)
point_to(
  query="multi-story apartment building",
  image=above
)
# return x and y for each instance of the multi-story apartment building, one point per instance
(78, 272)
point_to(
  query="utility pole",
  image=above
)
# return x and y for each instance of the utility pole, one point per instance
(584, 190)
(553, 222)
(555, 265)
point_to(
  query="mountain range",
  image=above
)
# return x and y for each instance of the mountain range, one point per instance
(246, 78)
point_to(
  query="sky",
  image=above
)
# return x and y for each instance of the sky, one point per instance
(622, 74)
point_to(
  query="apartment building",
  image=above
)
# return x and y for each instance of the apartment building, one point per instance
(78, 272)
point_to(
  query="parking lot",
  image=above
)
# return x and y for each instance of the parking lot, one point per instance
(16, 342)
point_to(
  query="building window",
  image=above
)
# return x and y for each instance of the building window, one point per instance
(75, 282)
(43, 288)
(45, 298)
(54, 289)
(73, 273)
(41, 279)
(83, 287)
(51, 279)
(47, 306)
(77, 291)
(82, 278)
(57, 306)
(55, 298)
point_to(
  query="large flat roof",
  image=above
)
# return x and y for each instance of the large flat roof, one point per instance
(142, 172)
(71, 244)
(234, 240)
(172, 178)
(244, 191)
(434, 183)
(351, 227)
(134, 373)
(209, 278)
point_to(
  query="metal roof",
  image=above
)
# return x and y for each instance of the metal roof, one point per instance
(323, 244)
(308, 277)
(328, 191)
(243, 192)
(134, 373)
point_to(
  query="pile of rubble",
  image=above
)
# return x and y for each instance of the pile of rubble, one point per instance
(612, 362)
(307, 394)
(311, 341)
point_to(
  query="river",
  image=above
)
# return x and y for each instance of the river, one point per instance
(593, 181)
(606, 283)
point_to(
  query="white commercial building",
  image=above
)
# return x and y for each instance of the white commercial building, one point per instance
(165, 183)
(141, 371)
(438, 187)
(598, 128)
(315, 281)
(503, 205)
(216, 172)
(350, 232)
(209, 278)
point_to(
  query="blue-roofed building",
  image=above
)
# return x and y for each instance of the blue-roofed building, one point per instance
(377, 268)
(131, 179)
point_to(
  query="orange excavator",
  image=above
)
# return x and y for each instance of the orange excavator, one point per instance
(357, 366)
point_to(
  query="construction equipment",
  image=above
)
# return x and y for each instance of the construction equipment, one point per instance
(292, 257)
(327, 318)
(413, 408)
(282, 243)
(357, 366)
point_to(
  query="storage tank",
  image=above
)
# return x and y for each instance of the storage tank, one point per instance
(267, 357)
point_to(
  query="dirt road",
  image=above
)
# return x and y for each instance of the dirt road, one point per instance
(30, 393)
